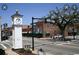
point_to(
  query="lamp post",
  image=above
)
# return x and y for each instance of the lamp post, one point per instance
(33, 18)
(32, 34)
(33, 31)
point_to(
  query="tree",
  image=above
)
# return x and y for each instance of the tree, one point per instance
(65, 16)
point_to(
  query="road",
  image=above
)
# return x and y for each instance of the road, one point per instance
(55, 48)
(5, 44)
(49, 46)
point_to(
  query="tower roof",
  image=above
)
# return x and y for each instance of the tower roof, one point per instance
(17, 14)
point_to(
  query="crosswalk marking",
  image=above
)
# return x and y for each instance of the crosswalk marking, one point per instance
(3, 46)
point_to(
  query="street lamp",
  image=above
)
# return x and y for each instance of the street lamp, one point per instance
(33, 18)
(32, 34)
(33, 31)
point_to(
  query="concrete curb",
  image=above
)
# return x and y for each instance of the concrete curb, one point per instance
(10, 52)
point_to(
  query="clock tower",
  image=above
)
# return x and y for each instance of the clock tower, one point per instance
(17, 30)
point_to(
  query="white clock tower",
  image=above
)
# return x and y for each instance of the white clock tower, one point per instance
(17, 30)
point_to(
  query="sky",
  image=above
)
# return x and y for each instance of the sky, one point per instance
(28, 10)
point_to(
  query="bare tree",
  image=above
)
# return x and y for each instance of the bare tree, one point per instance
(65, 16)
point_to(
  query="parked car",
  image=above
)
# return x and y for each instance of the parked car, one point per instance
(57, 37)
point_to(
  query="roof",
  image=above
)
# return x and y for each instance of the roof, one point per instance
(26, 26)
(17, 14)
(26, 29)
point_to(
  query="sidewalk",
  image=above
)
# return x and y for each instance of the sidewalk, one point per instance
(62, 42)
(45, 38)
(40, 53)
(10, 52)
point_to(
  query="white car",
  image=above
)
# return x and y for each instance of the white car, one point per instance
(58, 36)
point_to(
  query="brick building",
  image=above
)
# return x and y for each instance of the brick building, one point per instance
(69, 29)
(26, 29)
(47, 29)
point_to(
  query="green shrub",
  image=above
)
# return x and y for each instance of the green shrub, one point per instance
(28, 51)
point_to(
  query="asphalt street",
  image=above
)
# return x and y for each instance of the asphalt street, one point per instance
(55, 48)
(49, 46)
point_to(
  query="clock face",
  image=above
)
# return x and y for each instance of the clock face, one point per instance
(18, 21)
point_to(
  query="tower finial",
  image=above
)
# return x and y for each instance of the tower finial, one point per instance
(17, 11)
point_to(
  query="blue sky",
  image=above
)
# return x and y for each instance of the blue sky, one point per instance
(29, 10)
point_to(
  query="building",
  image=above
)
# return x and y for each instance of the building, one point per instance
(72, 29)
(51, 29)
(26, 29)
(47, 29)
(8, 31)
